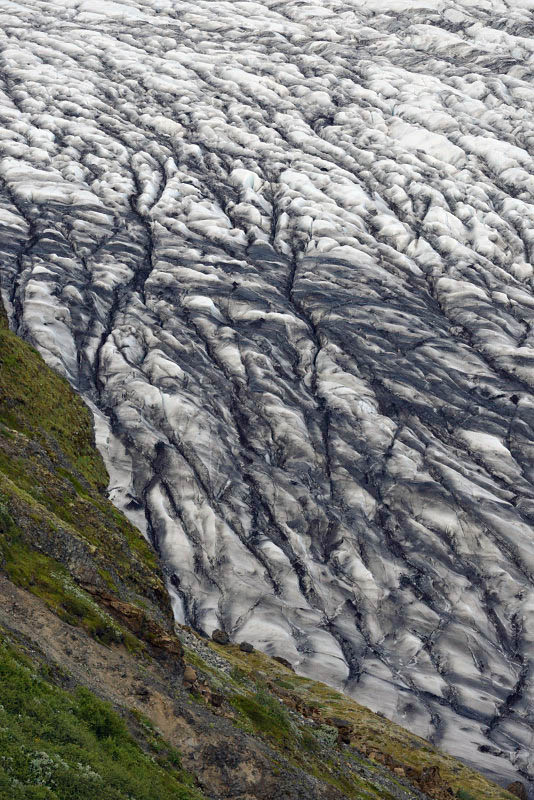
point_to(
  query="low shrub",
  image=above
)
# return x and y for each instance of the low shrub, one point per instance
(462, 794)
(266, 714)
(326, 735)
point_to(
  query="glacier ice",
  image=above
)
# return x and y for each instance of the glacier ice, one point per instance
(285, 251)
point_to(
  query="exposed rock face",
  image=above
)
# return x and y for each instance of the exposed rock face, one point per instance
(137, 621)
(285, 251)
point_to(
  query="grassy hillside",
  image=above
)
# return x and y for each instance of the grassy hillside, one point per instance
(59, 534)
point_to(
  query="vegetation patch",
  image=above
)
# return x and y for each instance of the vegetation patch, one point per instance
(370, 731)
(49, 580)
(57, 745)
(266, 715)
(40, 403)
(47, 449)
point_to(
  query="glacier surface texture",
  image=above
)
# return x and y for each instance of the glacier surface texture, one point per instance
(284, 249)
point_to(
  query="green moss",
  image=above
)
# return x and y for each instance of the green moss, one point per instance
(40, 403)
(76, 484)
(351, 785)
(283, 684)
(108, 580)
(463, 795)
(238, 675)
(132, 643)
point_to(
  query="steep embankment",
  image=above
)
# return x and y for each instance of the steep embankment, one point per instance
(94, 699)
(58, 525)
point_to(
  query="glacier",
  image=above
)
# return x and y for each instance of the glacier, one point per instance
(285, 252)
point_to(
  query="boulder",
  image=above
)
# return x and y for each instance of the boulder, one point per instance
(190, 675)
(220, 637)
(216, 699)
(246, 647)
(519, 789)
(284, 662)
